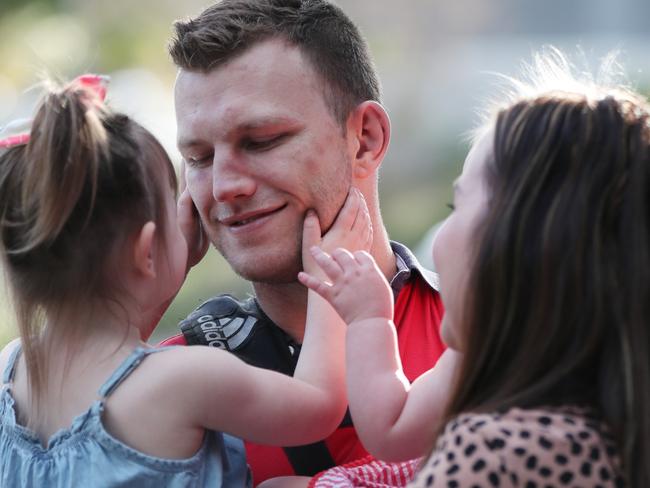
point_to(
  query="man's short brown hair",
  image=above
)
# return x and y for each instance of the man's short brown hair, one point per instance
(325, 35)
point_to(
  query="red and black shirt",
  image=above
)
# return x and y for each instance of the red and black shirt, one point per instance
(242, 328)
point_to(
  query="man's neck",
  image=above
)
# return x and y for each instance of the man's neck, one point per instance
(286, 304)
(384, 255)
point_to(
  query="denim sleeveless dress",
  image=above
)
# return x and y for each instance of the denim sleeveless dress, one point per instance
(86, 455)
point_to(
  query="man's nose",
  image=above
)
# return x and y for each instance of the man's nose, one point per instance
(231, 178)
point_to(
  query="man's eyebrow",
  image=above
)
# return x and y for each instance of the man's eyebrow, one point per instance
(248, 125)
(187, 143)
(260, 122)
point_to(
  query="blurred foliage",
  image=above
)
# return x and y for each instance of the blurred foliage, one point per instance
(7, 322)
(8, 6)
(427, 54)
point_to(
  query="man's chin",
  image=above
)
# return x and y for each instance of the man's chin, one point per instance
(275, 263)
(268, 273)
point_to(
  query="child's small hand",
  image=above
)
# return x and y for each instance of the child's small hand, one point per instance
(358, 289)
(190, 224)
(351, 230)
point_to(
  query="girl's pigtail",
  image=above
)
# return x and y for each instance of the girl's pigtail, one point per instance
(43, 186)
(68, 142)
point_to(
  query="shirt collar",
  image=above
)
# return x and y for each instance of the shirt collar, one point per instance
(407, 264)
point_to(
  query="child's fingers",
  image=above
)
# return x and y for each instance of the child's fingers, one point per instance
(364, 259)
(315, 284)
(343, 258)
(348, 213)
(363, 225)
(361, 217)
(368, 237)
(327, 264)
(187, 218)
(184, 209)
(190, 225)
(310, 230)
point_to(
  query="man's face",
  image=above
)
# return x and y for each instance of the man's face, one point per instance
(261, 148)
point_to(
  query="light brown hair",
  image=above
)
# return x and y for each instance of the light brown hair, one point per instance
(87, 178)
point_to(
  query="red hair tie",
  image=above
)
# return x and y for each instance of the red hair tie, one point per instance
(17, 132)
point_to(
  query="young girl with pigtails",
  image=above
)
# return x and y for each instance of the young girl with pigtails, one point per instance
(92, 250)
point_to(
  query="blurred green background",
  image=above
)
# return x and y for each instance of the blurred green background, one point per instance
(434, 59)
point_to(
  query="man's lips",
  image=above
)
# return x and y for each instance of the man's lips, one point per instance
(244, 218)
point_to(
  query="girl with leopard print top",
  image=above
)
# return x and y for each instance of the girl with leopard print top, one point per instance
(544, 270)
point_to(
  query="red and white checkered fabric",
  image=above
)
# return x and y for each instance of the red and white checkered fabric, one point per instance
(367, 473)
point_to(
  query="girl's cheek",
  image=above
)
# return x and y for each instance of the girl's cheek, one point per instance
(436, 244)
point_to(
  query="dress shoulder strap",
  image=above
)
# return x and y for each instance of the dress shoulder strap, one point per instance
(125, 369)
(10, 369)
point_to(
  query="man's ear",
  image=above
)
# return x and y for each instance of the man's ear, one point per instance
(143, 251)
(370, 127)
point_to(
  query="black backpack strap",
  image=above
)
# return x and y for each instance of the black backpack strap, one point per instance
(310, 459)
(222, 322)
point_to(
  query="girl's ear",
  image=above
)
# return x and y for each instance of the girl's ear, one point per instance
(144, 251)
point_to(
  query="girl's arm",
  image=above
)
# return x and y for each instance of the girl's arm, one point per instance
(260, 405)
(395, 420)
(268, 407)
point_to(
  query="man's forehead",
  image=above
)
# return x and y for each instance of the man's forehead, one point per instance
(187, 84)
(272, 67)
(251, 102)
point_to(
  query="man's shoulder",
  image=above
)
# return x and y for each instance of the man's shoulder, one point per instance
(239, 327)
(226, 305)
